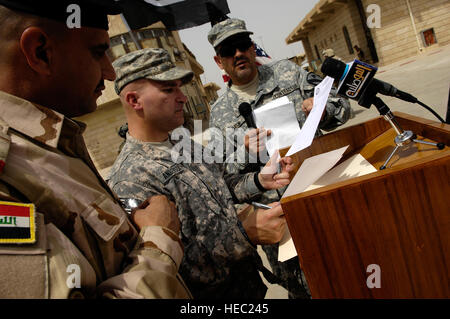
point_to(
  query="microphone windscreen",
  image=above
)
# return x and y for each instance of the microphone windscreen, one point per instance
(245, 109)
(333, 68)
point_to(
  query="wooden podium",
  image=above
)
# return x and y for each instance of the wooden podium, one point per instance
(397, 218)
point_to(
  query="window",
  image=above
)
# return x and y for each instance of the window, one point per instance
(117, 51)
(347, 40)
(428, 37)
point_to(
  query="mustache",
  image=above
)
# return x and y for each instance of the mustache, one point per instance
(239, 59)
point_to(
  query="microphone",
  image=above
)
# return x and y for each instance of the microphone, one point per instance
(356, 81)
(245, 110)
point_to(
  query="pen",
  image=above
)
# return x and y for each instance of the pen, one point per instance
(259, 205)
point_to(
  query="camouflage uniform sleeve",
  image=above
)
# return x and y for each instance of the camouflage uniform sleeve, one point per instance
(152, 266)
(211, 236)
(338, 109)
(243, 187)
(152, 271)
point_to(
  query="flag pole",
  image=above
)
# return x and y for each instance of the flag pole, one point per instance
(138, 45)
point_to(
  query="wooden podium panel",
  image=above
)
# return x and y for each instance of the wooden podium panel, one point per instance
(397, 218)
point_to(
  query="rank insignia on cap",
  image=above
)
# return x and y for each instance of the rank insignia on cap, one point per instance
(17, 223)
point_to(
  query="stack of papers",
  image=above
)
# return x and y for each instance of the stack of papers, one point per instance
(314, 173)
(280, 117)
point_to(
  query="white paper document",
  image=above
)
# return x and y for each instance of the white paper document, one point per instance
(306, 135)
(278, 116)
(355, 166)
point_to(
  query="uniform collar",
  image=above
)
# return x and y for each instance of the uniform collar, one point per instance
(35, 121)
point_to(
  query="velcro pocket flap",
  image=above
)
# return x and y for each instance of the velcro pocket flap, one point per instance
(104, 216)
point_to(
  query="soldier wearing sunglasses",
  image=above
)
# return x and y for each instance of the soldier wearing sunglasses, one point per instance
(258, 85)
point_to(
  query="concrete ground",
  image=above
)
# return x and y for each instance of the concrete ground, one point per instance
(427, 77)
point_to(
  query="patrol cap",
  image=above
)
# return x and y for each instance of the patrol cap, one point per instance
(328, 53)
(226, 29)
(93, 13)
(151, 63)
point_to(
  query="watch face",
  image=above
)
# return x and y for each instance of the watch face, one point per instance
(129, 204)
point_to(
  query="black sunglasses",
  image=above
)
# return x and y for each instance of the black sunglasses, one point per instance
(229, 49)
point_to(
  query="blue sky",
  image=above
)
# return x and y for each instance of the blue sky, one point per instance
(270, 21)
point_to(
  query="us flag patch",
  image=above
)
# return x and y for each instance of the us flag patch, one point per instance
(17, 223)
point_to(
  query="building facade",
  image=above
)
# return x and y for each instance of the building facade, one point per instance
(211, 92)
(386, 30)
(101, 135)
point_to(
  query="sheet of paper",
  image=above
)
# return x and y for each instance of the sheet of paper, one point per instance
(306, 135)
(278, 116)
(312, 169)
(273, 166)
(355, 166)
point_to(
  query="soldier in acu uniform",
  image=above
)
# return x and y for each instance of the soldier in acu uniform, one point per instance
(220, 258)
(258, 85)
(73, 239)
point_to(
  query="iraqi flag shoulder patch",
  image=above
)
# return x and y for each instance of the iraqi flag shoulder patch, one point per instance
(17, 223)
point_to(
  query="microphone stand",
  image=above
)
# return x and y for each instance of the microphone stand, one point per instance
(403, 137)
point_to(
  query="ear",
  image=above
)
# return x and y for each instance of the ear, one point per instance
(35, 46)
(132, 99)
(218, 62)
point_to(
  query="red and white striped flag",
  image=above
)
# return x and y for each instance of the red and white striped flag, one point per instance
(261, 56)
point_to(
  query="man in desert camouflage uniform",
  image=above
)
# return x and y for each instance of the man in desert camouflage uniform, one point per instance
(259, 85)
(48, 74)
(220, 258)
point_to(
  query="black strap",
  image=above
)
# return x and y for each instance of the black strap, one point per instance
(270, 277)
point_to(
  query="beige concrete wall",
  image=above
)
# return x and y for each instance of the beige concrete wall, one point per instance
(330, 33)
(101, 135)
(396, 39)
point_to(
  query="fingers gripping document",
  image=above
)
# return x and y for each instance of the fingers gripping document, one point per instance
(280, 117)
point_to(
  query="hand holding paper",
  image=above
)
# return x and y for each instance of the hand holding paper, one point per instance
(268, 177)
(279, 117)
(255, 140)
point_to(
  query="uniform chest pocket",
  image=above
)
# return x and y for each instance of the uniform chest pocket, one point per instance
(104, 216)
(23, 268)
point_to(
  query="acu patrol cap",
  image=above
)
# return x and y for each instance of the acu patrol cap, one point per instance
(93, 13)
(328, 53)
(151, 63)
(225, 29)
